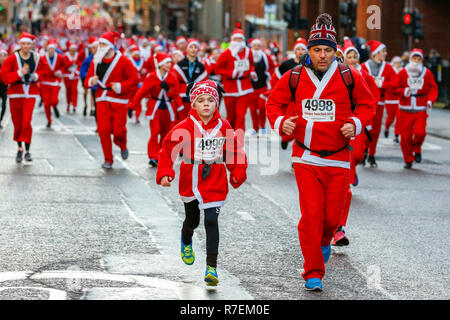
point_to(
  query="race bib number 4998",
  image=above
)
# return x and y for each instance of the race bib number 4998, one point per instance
(318, 110)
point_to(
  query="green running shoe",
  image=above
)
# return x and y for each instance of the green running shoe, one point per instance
(187, 254)
(211, 277)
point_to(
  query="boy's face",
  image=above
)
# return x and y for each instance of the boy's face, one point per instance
(205, 105)
(166, 66)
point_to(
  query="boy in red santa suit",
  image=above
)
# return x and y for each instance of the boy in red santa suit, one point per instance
(21, 71)
(209, 147)
(386, 79)
(162, 90)
(392, 101)
(114, 76)
(237, 69)
(139, 64)
(418, 90)
(51, 82)
(71, 76)
(264, 67)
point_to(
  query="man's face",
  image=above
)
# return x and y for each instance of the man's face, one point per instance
(166, 66)
(256, 46)
(51, 51)
(192, 50)
(322, 57)
(215, 54)
(416, 59)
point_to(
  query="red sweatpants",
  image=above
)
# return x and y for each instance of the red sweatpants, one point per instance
(111, 119)
(21, 115)
(71, 91)
(376, 128)
(323, 194)
(236, 109)
(159, 127)
(258, 109)
(412, 133)
(391, 111)
(50, 99)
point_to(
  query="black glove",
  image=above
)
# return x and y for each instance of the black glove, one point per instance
(165, 86)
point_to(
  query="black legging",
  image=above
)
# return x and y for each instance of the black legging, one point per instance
(3, 96)
(192, 221)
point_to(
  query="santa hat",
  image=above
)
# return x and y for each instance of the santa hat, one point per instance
(323, 32)
(26, 37)
(254, 41)
(162, 58)
(180, 40)
(52, 44)
(396, 59)
(178, 52)
(238, 33)
(339, 49)
(158, 48)
(109, 38)
(300, 42)
(92, 42)
(416, 52)
(134, 49)
(3, 51)
(348, 46)
(375, 46)
(191, 42)
(72, 45)
(204, 87)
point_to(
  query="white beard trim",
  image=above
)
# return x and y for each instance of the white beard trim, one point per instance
(100, 54)
(235, 47)
(414, 68)
(257, 55)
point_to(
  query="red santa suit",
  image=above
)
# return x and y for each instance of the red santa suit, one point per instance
(112, 105)
(203, 174)
(235, 69)
(51, 83)
(264, 67)
(391, 103)
(321, 154)
(419, 91)
(71, 77)
(388, 79)
(162, 104)
(23, 89)
(139, 64)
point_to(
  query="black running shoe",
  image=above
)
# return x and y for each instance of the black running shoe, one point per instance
(28, 157)
(56, 112)
(107, 165)
(19, 156)
(396, 139)
(372, 162)
(386, 133)
(124, 154)
(153, 163)
(408, 165)
(418, 157)
(85, 111)
(49, 125)
(284, 145)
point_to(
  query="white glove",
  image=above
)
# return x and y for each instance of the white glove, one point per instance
(429, 105)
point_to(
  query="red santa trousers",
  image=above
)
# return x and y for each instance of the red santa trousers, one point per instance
(376, 128)
(323, 194)
(236, 109)
(159, 127)
(21, 115)
(71, 91)
(111, 119)
(359, 145)
(258, 109)
(49, 96)
(412, 133)
(391, 113)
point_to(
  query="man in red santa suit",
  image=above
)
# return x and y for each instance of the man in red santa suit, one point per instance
(189, 70)
(237, 69)
(71, 76)
(180, 43)
(21, 71)
(391, 103)
(264, 67)
(162, 90)
(322, 126)
(139, 64)
(114, 76)
(51, 82)
(419, 90)
(386, 79)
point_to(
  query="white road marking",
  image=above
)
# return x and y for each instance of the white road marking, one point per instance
(245, 216)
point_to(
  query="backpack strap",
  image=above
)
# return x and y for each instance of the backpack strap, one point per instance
(349, 82)
(294, 78)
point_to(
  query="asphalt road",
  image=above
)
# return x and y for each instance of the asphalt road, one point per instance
(71, 230)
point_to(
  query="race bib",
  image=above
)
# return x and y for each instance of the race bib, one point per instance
(415, 83)
(322, 110)
(242, 65)
(208, 149)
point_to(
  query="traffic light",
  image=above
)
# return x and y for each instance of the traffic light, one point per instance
(417, 25)
(289, 14)
(347, 16)
(407, 25)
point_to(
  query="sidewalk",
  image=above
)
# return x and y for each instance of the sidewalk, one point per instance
(438, 123)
